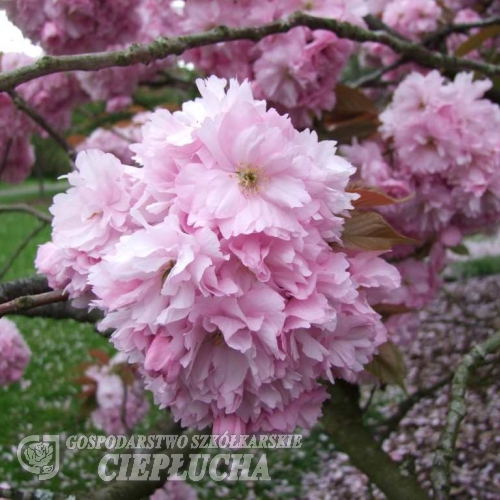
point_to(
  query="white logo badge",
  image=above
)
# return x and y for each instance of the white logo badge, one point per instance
(40, 455)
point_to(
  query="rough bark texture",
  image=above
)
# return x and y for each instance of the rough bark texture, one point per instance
(342, 420)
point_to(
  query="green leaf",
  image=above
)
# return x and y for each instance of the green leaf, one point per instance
(460, 249)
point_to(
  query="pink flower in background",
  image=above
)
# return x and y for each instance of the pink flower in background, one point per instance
(175, 489)
(297, 71)
(66, 27)
(14, 353)
(116, 140)
(115, 85)
(53, 96)
(19, 157)
(439, 143)
(16, 152)
(120, 398)
(412, 18)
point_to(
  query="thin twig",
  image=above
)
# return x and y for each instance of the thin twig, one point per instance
(20, 249)
(376, 24)
(164, 47)
(370, 78)
(438, 36)
(21, 207)
(5, 158)
(23, 106)
(440, 473)
(405, 406)
(31, 301)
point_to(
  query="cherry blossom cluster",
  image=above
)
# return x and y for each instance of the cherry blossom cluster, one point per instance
(219, 263)
(415, 20)
(73, 27)
(120, 396)
(439, 151)
(117, 139)
(296, 72)
(175, 489)
(14, 353)
(439, 142)
(68, 27)
(53, 97)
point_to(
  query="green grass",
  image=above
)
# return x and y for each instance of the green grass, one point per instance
(45, 401)
(484, 266)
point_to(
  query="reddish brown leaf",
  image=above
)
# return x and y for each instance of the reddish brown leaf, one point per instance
(99, 355)
(135, 108)
(350, 103)
(371, 197)
(359, 127)
(75, 139)
(81, 367)
(88, 392)
(388, 365)
(84, 380)
(370, 231)
(475, 41)
(390, 309)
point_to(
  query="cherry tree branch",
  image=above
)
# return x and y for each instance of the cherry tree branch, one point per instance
(164, 47)
(25, 286)
(31, 301)
(22, 207)
(438, 36)
(36, 285)
(5, 156)
(64, 310)
(20, 248)
(23, 106)
(405, 406)
(342, 419)
(440, 474)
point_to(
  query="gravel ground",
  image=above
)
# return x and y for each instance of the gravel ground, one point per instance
(463, 315)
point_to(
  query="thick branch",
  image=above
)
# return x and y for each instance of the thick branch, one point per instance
(30, 301)
(36, 285)
(164, 47)
(440, 474)
(63, 310)
(342, 419)
(25, 286)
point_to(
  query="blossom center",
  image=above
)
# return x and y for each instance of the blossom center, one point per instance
(166, 272)
(218, 338)
(249, 178)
